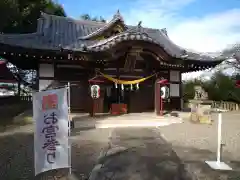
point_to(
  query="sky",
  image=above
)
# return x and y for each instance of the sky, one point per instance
(199, 25)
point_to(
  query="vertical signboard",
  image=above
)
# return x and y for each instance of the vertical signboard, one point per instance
(50, 112)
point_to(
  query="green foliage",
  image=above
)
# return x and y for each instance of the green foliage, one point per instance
(88, 17)
(188, 89)
(21, 16)
(219, 88)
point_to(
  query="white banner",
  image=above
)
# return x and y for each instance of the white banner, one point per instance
(50, 112)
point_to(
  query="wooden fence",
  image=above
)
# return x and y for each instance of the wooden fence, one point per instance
(221, 105)
(26, 98)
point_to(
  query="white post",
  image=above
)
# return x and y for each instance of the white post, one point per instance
(218, 165)
(69, 108)
(69, 128)
(219, 137)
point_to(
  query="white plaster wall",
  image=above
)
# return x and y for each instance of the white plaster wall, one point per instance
(174, 90)
(46, 70)
(175, 76)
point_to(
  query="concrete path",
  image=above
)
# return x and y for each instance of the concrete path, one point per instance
(140, 154)
(126, 120)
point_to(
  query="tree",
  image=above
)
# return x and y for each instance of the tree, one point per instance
(188, 89)
(26, 78)
(89, 18)
(21, 16)
(220, 87)
(234, 53)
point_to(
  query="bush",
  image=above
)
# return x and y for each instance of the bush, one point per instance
(219, 88)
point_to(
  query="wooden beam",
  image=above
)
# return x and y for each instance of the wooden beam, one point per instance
(113, 71)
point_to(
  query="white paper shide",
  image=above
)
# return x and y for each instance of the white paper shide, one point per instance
(50, 112)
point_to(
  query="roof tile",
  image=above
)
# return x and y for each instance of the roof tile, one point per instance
(54, 32)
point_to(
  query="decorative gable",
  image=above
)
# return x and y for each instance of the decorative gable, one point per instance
(112, 28)
(112, 31)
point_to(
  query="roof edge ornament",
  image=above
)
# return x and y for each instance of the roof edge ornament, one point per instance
(139, 26)
(164, 30)
(118, 15)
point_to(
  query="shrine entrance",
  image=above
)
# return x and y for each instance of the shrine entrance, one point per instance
(114, 96)
(128, 98)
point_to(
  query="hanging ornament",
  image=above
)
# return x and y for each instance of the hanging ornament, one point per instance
(137, 86)
(131, 87)
(108, 91)
(122, 86)
(116, 85)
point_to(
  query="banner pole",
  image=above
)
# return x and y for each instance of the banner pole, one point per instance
(69, 128)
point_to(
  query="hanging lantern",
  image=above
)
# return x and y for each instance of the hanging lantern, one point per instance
(116, 85)
(131, 87)
(164, 92)
(122, 86)
(95, 91)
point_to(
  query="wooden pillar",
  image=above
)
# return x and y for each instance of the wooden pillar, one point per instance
(157, 96)
(181, 92)
(19, 87)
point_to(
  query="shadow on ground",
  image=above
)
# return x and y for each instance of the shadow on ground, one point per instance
(84, 122)
(16, 156)
(10, 120)
(194, 161)
(84, 117)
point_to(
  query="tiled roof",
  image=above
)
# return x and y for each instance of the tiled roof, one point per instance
(34, 40)
(55, 32)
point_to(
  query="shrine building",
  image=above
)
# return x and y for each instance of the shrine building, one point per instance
(127, 62)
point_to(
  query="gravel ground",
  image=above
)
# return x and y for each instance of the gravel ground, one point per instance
(193, 143)
(17, 157)
(196, 143)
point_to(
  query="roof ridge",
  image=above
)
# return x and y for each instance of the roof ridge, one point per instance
(45, 15)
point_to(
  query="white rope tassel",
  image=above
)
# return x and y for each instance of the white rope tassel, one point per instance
(131, 87)
(137, 86)
(116, 85)
(108, 91)
(122, 86)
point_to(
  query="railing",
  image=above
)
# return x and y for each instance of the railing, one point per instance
(26, 98)
(220, 105)
(224, 105)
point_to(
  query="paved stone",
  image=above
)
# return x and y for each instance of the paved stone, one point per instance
(146, 156)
